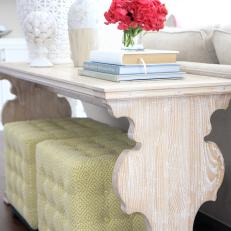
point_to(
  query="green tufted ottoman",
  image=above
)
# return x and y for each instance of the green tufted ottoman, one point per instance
(21, 139)
(74, 184)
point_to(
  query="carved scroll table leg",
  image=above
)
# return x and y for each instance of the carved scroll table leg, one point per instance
(33, 102)
(172, 171)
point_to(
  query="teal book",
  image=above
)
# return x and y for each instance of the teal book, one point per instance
(130, 69)
(118, 78)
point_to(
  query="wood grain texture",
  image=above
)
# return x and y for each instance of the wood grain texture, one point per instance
(172, 171)
(32, 102)
(66, 80)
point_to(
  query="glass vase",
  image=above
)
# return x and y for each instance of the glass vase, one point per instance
(132, 40)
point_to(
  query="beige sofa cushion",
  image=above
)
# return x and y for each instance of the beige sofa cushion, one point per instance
(195, 46)
(222, 44)
(215, 70)
(226, 28)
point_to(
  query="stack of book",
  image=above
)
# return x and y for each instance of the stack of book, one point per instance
(132, 65)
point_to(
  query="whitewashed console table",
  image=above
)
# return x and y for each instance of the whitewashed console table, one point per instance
(172, 171)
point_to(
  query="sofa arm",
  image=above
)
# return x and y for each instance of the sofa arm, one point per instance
(215, 70)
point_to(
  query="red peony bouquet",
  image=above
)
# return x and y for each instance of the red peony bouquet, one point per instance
(135, 16)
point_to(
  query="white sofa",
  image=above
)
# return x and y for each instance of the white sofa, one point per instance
(206, 51)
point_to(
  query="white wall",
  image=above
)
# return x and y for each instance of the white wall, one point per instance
(8, 17)
(196, 13)
(189, 13)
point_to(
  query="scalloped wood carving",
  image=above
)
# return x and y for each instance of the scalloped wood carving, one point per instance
(33, 102)
(172, 171)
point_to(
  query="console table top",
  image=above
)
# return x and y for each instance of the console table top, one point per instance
(66, 78)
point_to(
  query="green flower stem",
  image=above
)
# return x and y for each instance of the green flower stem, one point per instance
(129, 35)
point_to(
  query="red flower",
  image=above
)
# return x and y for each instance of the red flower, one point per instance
(149, 15)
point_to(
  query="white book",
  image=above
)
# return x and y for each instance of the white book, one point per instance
(127, 57)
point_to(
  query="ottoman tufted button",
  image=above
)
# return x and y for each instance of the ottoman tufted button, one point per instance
(106, 192)
(107, 219)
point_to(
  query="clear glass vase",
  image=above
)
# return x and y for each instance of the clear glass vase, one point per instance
(132, 40)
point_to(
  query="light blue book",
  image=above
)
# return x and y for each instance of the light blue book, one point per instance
(130, 69)
(118, 78)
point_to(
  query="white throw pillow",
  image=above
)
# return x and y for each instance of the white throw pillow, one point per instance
(194, 46)
(222, 44)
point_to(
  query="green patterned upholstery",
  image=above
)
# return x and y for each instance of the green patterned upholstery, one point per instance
(21, 139)
(74, 182)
